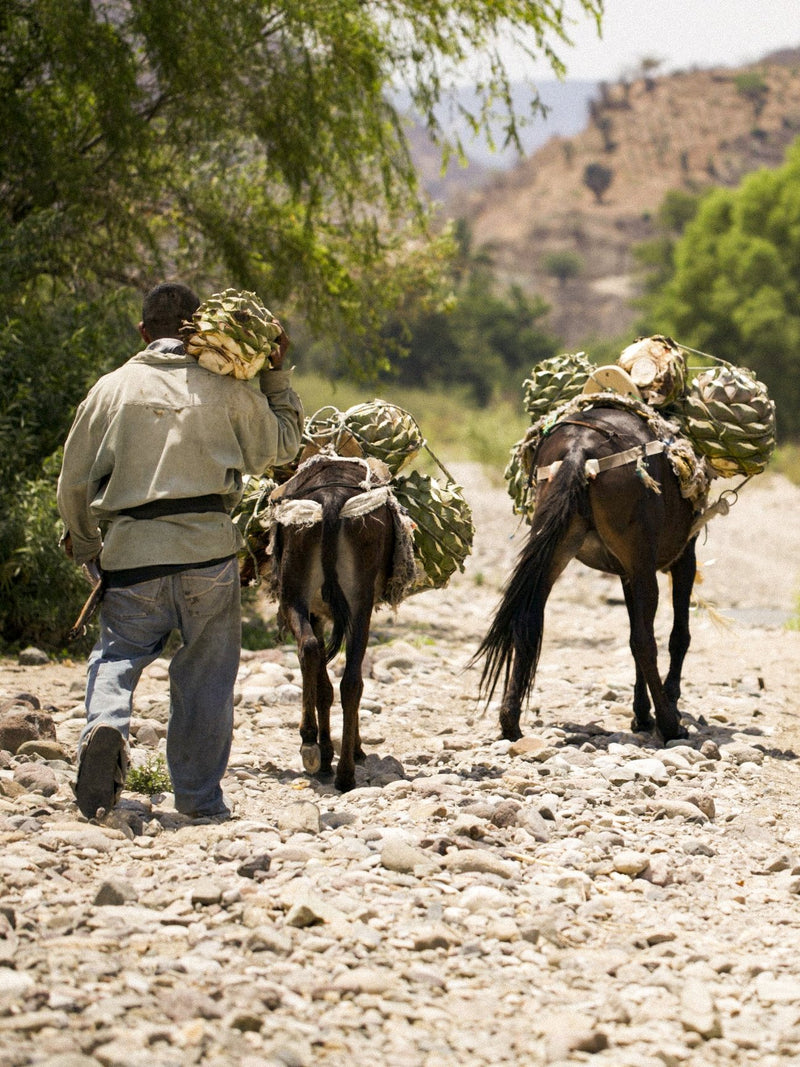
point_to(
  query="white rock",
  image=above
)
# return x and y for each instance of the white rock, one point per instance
(652, 769)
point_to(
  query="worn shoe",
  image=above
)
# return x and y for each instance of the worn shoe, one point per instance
(102, 770)
(203, 818)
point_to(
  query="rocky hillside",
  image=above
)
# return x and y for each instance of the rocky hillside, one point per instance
(687, 131)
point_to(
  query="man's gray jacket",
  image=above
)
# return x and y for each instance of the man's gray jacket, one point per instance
(163, 428)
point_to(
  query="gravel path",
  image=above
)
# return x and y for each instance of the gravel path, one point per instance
(581, 896)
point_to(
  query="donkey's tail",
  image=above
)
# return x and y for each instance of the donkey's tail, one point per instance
(516, 630)
(332, 592)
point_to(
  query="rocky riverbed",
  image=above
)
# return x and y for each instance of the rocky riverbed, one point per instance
(580, 896)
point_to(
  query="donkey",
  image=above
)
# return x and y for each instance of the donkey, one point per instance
(627, 517)
(334, 555)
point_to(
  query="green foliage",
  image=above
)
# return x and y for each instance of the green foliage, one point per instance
(41, 591)
(150, 777)
(478, 339)
(656, 257)
(51, 351)
(677, 210)
(237, 139)
(257, 631)
(597, 178)
(483, 343)
(563, 264)
(786, 461)
(734, 290)
(752, 86)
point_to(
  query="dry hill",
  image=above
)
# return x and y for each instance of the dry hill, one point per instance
(684, 131)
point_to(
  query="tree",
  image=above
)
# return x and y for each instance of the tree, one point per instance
(734, 292)
(656, 256)
(242, 140)
(753, 87)
(224, 142)
(597, 178)
(480, 339)
(562, 264)
(648, 67)
(237, 137)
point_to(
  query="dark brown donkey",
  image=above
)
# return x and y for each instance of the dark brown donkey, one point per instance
(329, 567)
(629, 520)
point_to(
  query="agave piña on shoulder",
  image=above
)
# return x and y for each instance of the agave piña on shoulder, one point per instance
(232, 333)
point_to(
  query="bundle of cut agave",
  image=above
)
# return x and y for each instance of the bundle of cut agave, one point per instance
(517, 475)
(554, 381)
(729, 418)
(325, 429)
(658, 368)
(443, 526)
(385, 431)
(254, 502)
(232, 333)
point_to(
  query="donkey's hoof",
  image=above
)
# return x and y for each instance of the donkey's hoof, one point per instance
(510, 732)
(644, 724)
(311, 757)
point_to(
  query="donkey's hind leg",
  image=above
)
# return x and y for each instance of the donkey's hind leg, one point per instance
(311, 653)
(683, 572)
(324, 702)
(642, 600)
(351, 688)
(511, 706)
(643, 721)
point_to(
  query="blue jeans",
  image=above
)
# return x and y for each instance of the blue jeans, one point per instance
(204, 605)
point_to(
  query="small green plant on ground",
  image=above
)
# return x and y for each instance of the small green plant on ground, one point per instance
(150, 777)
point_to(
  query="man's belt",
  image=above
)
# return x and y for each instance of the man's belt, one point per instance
(158, 509)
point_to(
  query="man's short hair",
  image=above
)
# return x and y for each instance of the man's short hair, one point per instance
(166, 308)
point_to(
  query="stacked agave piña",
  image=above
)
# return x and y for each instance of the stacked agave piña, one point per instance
(232, 333)
(729, 418)
(551, 383)
(443, 526)
(518, 485)
(657, 367)
(384, 431)
(444, 530)
(554, 381)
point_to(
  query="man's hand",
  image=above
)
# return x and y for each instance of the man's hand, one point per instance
(276, 359)
(66, 544)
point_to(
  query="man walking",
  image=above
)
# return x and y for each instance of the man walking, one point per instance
(154, 460)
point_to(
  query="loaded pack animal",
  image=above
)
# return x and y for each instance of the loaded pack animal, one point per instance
(333, 557)
(606, 494)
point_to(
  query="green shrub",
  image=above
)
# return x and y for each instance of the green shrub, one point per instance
(150, 777)
(42, 591)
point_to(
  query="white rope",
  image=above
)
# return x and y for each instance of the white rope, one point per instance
(594, 466)
(297, 513)
(364, 503)
(309, 512)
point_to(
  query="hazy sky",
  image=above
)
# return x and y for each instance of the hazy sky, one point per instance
(681, 33)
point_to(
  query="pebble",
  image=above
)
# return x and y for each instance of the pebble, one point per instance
(398, 855)
(300, 817)
(36, 778)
